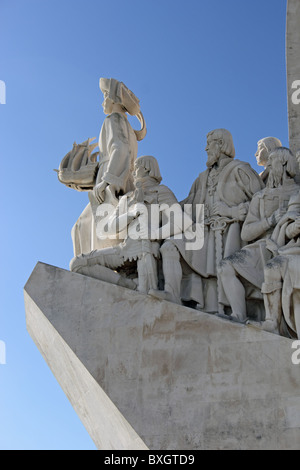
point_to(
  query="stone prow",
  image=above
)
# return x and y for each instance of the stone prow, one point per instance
(143, 373)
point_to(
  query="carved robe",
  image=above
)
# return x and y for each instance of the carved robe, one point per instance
(101, 263)
(118, 151)
(233, 182)
(250, 261)
(282, 273)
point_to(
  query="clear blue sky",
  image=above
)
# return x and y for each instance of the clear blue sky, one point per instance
(196, 65)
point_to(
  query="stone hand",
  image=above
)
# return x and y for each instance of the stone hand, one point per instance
(279, 214)
(296, 227)
(99, 191)
(221, 209)
(241, 212)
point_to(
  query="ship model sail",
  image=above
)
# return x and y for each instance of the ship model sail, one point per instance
(78, 169)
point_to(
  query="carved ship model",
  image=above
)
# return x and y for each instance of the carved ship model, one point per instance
(78, 169)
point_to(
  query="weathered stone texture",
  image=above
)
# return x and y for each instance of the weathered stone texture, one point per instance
(181, 378)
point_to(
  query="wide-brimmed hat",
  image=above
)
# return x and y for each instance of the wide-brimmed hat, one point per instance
(119, 93)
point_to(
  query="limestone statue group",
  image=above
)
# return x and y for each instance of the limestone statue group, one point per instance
(231, 248)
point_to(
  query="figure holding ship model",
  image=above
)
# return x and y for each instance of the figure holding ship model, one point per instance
(111, 176)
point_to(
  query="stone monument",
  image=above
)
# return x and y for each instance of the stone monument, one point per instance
(174, 327)
(264, 147)
(293, 72)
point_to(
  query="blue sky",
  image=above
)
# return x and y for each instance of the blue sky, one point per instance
(195, 65)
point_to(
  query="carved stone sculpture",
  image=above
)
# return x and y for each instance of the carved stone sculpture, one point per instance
(135, 256)
(126, 360)
(78, 169)
(111, 176)
(243, 270)
(281, 287)
(223, 274)
(117, 140)
(265, 147)
(224, 212)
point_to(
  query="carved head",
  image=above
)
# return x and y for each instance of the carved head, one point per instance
(116, 92)
(147, 166)
(281, 161)
(219, 142)
(264, 147)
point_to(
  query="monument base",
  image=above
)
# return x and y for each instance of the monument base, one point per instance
(143, 373)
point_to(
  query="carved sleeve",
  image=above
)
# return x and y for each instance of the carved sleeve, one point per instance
(250, 183)
(190, 198)
(255, 224)
(171, 213)
(293, 230)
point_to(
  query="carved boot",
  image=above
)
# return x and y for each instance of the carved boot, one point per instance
(273, 309)
(147, 273)
(172, 272)
(234, 290)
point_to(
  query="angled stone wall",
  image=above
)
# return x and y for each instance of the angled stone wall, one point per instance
(143, 373)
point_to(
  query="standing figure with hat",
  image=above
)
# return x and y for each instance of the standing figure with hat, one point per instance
(117, 154)
(117, 139)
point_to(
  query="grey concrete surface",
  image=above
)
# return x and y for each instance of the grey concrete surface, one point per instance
(179, 378)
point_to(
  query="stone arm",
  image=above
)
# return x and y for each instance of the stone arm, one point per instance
(293, 229)
(171, 220)
(247, 183)
(237, 213)
(256, 225)
(174, 221)
(117, 222)
(191, 196)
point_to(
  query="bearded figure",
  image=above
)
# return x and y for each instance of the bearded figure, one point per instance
(224, 190)
(242, 274)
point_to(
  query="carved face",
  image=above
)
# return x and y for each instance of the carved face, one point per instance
(107, 104)
(140, 172)
(213, 150)
(261, 154)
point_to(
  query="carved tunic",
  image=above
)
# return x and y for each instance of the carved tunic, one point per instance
(118, 151)
(282, 272)
(233, 183)
(249, 262)
(262, 206)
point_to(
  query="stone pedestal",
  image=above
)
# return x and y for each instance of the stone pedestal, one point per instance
(143, 373)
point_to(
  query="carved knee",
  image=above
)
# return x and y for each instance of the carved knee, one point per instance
(169, 250)
(272, 276)
(225, 268)
(272, 269)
